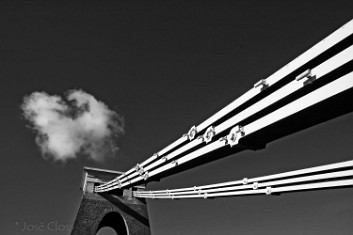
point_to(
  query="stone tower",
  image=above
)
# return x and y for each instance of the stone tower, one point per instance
(117, 209)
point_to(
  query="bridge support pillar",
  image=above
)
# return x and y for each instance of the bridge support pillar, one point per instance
(118, 210)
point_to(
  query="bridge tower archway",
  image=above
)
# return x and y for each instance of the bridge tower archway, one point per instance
(115, 221)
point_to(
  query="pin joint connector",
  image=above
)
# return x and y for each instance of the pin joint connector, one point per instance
(210, 132)
(192, 133)
(307, 75)
(262, 84)
(234, 135)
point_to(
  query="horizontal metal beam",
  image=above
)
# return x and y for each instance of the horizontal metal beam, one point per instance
(156, 160)
(316, 96)
(255, 185)
(320, 71)
(323, 93)
(251, 190)
(308, 171)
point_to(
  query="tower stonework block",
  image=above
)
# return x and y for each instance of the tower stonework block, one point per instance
(118, 210)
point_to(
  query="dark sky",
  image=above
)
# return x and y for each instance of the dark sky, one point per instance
(165, 66)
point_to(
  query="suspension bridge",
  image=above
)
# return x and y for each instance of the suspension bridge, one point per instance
(315, 87)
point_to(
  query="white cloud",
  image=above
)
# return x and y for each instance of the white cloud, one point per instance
(71, 127)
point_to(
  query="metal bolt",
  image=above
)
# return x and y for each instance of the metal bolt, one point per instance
(245, 180)
(255, 185)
